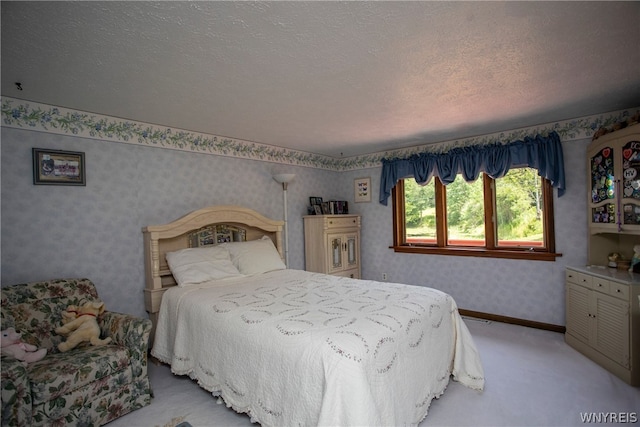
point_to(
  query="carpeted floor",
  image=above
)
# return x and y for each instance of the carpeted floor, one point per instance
(532, 379)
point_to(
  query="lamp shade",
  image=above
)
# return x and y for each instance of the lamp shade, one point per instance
(284, 178)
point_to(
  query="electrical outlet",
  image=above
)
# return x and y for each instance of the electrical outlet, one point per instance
(384, 276)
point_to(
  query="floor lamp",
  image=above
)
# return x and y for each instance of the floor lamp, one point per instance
(284, 179)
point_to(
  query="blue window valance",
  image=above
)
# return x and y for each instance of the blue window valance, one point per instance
(539, 152)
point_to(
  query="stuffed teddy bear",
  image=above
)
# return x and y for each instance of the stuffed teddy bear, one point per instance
(13, 346)
(635, 261)
(71, 313)
(84, 328)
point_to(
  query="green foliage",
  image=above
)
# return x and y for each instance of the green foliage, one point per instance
(418, 200)
(465, 208)
(518, 207)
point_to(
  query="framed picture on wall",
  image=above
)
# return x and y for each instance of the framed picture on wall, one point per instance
(57, 167)
(362, 188)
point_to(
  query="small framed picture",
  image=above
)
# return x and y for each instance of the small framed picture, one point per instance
(315, 201)
(325, 208)
(57, 167)
(317, 209)
(362, 188)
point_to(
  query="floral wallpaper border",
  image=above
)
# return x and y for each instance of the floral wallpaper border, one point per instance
(39, 117)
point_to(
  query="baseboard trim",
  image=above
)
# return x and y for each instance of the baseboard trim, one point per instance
(513, 320)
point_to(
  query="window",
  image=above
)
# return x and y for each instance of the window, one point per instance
(508, 217)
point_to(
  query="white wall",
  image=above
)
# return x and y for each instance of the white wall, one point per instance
(95, 231)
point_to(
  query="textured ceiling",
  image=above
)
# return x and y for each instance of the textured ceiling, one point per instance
(335, 78)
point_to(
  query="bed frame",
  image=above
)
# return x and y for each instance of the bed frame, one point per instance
(198, 228)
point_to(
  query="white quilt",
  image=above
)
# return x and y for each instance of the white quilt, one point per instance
(297, 348)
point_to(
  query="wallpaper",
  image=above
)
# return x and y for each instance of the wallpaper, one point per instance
(47, 118)
(94, 231)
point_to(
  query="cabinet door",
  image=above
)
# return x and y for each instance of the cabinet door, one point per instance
(631, 183)
(335, 247)
(614, 182)
(352, 250)
(343, 251)
(578, 318)
(602, 178)
(611, 327)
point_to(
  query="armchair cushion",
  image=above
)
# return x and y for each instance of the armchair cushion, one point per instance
(15, 394)
(62, 373)
(87, 385)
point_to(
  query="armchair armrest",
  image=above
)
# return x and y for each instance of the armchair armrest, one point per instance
(130, 331)
(16, 394)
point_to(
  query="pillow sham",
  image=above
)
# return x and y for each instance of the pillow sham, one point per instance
(255, 256)
(196, 265)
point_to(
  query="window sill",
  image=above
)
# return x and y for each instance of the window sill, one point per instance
(479, 252)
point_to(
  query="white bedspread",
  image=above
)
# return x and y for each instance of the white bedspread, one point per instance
(297, 348)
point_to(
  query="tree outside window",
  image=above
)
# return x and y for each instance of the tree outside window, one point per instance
(508, 217)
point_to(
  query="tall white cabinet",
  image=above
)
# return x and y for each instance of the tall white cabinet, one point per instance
(603, 318)
(332, 244)
(602, 303)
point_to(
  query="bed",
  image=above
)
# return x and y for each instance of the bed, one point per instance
(290, 347)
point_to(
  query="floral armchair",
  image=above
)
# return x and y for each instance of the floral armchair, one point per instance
(84, 386)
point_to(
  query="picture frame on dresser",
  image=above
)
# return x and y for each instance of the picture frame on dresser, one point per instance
(313, 201)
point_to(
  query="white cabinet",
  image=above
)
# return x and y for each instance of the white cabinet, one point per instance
(603, 319)
(613, 162)
(332, 244)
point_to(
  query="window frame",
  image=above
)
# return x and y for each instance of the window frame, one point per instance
(490, 249)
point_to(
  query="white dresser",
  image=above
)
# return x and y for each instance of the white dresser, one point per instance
(603, 318)
(332, 244)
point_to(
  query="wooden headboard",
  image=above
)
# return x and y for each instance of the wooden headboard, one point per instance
(184, 232)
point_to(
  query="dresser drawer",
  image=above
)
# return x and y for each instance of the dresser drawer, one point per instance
(619, 290)
(341, 222)
(601, 285)
(578, 278)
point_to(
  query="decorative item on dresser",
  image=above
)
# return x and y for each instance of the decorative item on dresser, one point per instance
(332, 244)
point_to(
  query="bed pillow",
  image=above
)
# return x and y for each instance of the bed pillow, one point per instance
(255, 256)
(197, 265)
